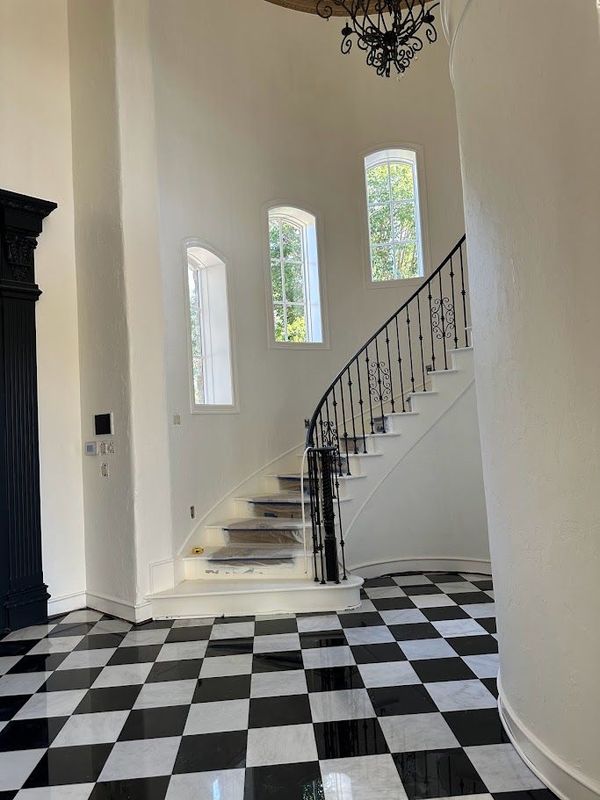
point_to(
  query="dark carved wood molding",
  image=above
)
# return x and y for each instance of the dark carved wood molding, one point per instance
(23, 594)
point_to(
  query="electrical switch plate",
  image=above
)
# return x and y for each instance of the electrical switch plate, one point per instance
(104, 470)
(91, 449)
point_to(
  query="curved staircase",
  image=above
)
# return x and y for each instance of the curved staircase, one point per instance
(282, 549)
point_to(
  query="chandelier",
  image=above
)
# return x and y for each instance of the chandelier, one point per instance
(388, 31)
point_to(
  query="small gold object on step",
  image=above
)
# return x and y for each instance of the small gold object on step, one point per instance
(197, 551)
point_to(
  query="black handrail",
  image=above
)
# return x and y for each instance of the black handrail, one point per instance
(375, 382)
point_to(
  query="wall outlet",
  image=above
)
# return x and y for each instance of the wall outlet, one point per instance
(104, 471)
(176, 419)
(193, 512)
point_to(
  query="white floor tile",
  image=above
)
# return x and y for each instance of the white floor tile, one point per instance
(458, 587)
(58, 644)
(403, 616)
(182, 651)
(376, 634)
(460, 695)
(342, 704)
(84, 659)
(83, 615)
(480, 610)
(8, 662)
(165, 693)
(390, 673)
(75, 791)
(51, 704)
(22, 682)
(111, 626)
(273, 684)
(122, 675)
(219, 785)
(286, 744)
(484, 666)
(317, 657)
(232, 630)
(224, 715)
(26, 634)
(276, 643)
(363, 608)
(419, 649)
(196, 622)
(141, 759)
(325, 622)
(411, 580)
(383, 592)
(501, 768)
(432, 600)
(364, 778)
(16, 767)
(459, 627)
(138, 638)
(91, 728)
(412, 732)
(220, 666)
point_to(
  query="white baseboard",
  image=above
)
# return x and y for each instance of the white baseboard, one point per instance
(119, 608)
(374, 569)
(65, 603)
(564, 780)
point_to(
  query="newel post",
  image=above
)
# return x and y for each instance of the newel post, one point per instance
(23, 595)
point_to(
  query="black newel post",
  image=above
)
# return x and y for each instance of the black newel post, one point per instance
(331, 555)
(23, 595)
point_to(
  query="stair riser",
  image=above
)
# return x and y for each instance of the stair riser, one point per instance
(293, 485)
(201, 569)
(263, 537)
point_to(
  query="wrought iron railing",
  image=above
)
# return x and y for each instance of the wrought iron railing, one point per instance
(378, 380)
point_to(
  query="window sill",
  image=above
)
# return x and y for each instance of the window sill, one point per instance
(298, 345)
(214, 409)
(408, 283)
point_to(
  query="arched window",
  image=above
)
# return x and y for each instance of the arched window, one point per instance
(395, 240)
(211, 370)
(294, 273)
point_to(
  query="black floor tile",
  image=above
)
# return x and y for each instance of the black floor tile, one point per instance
(444, 577)
(228, 620)
(377, 653)
(65, 679)
(330, 679)
(469, 598)
(485, 586)
(100, 641)
(40, 663)
(395, 700)
(492, 685)
(476, 727)
(155, 723)
(274, 662)
(350, 738)
(325, 639)
(289, 781)
(65, 765)
(392, 603)
(373, 583)
(153, 625)
(268, 627)
(438, 773)
(271, 712)
(10, 704)
(113, 698)
(489, 624)
(444, 612)
(532, 794)
(137, 789)
(144, 654)
(442, 669)
(229, 647)
(196, 633)
(16, 648)
(211, 751)
(30, 734)
(364, 620)
(184, 670)
(473, 645)
(418, 630)
(426, 588)
(8, 795)
(210, 690)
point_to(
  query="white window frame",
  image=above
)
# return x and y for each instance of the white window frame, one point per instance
(416, 157)
(309, 222)
(215, 260)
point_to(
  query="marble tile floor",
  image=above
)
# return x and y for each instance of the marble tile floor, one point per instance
(395, 700)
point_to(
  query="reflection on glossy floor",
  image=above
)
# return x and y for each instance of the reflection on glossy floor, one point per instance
(395, 700)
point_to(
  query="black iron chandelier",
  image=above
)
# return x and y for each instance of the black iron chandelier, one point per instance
(389, 31)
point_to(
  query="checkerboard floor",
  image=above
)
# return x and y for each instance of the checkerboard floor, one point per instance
(393, 701)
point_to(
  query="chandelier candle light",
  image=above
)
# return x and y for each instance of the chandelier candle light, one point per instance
(389, 31)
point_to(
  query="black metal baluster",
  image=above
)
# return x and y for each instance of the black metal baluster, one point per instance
(369, 387)
(352, 411)
(400, 364)
(429, 297)
(387, 344)
(379, 375)
(361, 404)
(453, 302)
(337, 432)
(412, 371)
(345, 435)
(443, 320)
(464, 295)
(331, 557)
(421, 342)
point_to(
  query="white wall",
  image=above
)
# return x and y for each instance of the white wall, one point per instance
(35, 159)
(431, 506)
(529, 118)
(255, 104)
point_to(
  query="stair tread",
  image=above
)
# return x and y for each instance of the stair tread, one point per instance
(281, 497)
(242, 585)
(253, 552)
(260, 524)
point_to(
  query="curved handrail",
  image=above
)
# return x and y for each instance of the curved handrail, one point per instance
(310, 433)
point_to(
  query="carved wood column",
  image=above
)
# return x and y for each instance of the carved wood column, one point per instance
(23, 595)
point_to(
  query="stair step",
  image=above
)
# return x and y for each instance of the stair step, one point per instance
(261, 524)
(281, 498)
(255, 553)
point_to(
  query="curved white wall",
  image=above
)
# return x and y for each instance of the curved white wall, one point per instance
(255, 104)
(527, 81)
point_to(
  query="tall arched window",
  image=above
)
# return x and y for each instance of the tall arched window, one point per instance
(395, 239)
(294, 274)
(211, 370)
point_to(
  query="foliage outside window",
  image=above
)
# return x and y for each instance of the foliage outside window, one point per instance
(396, 250)
(295, 292)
